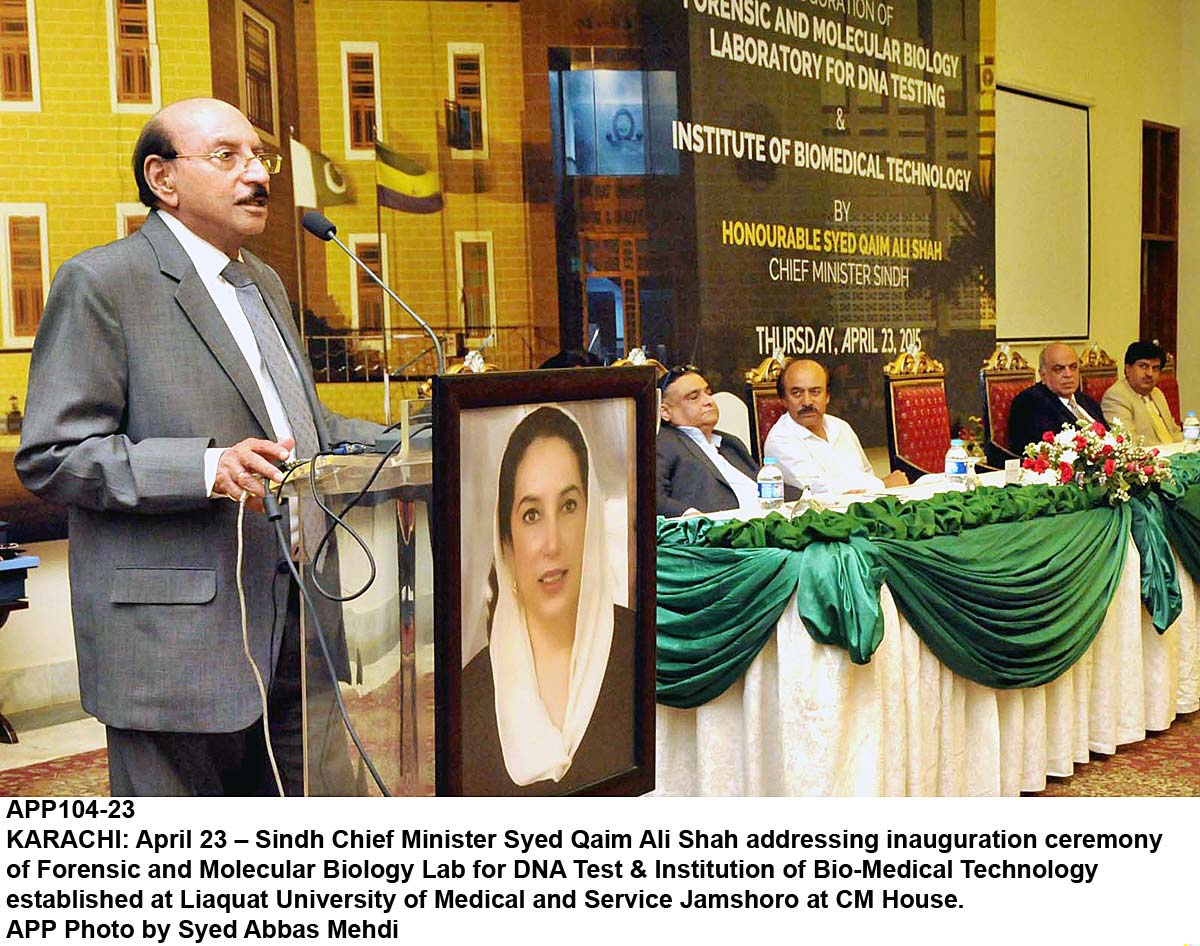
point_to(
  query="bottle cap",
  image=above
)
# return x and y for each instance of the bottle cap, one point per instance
(767, 460)
(956, 442)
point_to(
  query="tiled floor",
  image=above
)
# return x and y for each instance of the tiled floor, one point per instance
(50, 734)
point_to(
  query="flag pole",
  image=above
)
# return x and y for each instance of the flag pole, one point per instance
(386, 260)
(296, 228)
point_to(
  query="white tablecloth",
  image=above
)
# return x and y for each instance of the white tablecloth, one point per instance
(804, 720)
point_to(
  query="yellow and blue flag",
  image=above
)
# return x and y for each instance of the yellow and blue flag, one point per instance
(402, 183)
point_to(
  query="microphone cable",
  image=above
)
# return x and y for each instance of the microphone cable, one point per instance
(258, 679)
(338, 519)
(275, 515)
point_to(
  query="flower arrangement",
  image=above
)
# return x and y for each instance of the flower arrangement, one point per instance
(971, 434)
(1086, 454)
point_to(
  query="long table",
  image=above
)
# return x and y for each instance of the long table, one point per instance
(805, 720)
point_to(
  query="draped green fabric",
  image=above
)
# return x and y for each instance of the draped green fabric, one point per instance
(1185, 473)
(716, 610)
(1160, 580)
(840, 599)
(1183, 528)
(1009, 605)
(888, 517)
(1007, 586)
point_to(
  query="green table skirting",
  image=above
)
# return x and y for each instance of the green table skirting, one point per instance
(1006, 586)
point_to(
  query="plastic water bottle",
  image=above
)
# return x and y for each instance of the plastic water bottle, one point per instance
(770, 484)
(956, 464)
(1191, 431)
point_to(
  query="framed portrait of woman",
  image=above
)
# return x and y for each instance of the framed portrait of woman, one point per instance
(544, 582)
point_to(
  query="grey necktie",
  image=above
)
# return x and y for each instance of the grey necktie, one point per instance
(275, 357)
(287, 384)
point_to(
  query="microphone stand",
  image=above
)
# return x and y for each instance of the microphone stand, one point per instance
(437, 342)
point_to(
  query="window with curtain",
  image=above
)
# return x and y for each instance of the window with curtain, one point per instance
(258, 71)
(468, 85)
(133, 52)
(360, 86)
(369, 295)
(16, 65)
(25, 262)
(476, 287)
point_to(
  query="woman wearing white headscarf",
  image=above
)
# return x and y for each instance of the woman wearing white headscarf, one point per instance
(552, 626)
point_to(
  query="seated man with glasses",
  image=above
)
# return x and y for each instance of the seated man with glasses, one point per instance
(700, 469)
(168, 378)
(1136, 401)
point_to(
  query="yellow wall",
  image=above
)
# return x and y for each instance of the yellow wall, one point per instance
(486, 195)
(73, 156)
(1189, 201)
(365, 399)
(1124, 60)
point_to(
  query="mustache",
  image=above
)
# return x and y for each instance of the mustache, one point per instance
(808, 410)
(258, 195)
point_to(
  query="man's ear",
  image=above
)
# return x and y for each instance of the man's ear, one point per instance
(664, 411)
(160, 176)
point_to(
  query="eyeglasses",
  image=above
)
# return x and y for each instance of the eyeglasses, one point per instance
(229, 160)
(674, 374)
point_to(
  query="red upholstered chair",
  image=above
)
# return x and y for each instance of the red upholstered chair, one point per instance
(918, 418)
(766, 406)
(1003, 376)
(1097, 372)
(1168, 383)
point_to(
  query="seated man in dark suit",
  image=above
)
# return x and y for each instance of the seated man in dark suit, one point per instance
(1055, 400)
(699, 468)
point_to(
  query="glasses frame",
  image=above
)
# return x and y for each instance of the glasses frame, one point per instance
(265, 158)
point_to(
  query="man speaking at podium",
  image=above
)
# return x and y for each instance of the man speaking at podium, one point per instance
(166, 379)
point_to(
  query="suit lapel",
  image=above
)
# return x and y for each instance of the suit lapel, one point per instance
(202, 312)
(694, 448)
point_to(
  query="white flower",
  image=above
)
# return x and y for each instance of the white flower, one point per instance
(1049, 477)
(1068, 457)
(1065, 437)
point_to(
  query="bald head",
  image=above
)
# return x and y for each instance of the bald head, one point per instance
(196, 160)
(804, 387)
(1059, 369)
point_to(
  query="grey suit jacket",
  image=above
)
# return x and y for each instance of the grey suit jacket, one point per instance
(1123, 402)
(687, 479)
(134, 374)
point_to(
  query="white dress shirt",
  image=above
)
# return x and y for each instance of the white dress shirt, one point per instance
(209, 261)
(835, 465)
(744, 488)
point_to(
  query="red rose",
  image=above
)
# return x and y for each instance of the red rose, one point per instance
(1066, 473)
(1048, 437)
(1107, 449)
(1154, 452)
(1027, 463)
(1098, 429)
(1080, 443)
(1042, 465)
(1120, 439)
(1148, 470)
(1131, 466)
(1109, 465)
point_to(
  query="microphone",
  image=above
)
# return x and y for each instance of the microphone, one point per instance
(323, 228)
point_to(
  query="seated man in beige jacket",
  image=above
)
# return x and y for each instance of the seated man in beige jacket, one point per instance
(1136, 401)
